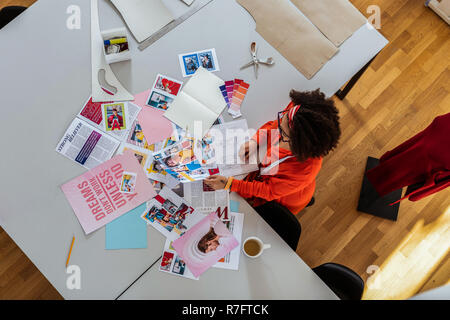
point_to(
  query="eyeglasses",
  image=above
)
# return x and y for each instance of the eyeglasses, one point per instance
(282, 133)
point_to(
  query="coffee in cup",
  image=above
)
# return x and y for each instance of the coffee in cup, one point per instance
(253, 247)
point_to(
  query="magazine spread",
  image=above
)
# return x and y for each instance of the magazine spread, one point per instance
(86, 145)
(115, 118)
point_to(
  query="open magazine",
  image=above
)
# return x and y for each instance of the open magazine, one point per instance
(114, 118)
(86, 145)
(95, 134)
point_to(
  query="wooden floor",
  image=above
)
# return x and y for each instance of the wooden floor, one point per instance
(405, 88)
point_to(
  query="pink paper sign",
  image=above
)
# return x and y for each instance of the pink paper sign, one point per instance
(155, 127)
(96, 198)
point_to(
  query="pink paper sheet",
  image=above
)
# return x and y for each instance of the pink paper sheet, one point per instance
(187, 246)
(95, 196)
(155, 127)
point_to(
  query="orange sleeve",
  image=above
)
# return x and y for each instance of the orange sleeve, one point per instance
(290, 177)
(262, 132)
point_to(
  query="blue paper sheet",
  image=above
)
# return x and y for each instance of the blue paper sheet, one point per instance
(234, 206)
(127, 232)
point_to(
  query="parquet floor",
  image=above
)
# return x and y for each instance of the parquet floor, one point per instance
(405, 88)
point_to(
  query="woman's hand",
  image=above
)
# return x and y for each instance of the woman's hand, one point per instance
(216, 182)
(248, 149)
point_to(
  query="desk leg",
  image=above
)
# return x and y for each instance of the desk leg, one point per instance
(341, 94)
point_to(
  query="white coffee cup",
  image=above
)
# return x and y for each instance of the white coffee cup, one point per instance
(262, 246)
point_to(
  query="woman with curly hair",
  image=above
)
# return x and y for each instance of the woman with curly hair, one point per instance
(304, 132)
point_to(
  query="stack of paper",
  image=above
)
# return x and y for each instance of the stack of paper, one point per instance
(180, 161)
(95, 134)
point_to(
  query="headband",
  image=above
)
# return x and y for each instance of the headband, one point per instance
(291, 115)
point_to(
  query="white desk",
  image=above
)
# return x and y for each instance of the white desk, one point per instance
(44, 79)
(278, 274)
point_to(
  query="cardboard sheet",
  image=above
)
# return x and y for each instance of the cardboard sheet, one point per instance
(99, 63)
(143, 17)
(293, 35)
(336, 19)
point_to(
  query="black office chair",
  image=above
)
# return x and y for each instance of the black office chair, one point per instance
(344, 282)
(8, 14)
(282, 221)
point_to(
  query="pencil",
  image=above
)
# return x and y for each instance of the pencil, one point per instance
(70, 251)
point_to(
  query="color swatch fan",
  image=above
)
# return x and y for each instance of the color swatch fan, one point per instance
(234, 92)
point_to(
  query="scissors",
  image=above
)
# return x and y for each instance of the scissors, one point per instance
(255, 61)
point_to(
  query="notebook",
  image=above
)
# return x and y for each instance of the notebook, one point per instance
(199, 103)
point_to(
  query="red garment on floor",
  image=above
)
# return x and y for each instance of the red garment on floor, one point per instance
(292, 185)
(423, 159)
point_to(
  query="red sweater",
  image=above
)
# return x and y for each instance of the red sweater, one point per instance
(292, 185)
(423, 159)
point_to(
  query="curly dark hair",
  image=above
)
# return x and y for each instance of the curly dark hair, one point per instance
(315, 131)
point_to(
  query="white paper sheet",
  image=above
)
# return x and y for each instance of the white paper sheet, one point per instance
(143, 17)
(204, 87)
(99, 63)
(86, 145)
